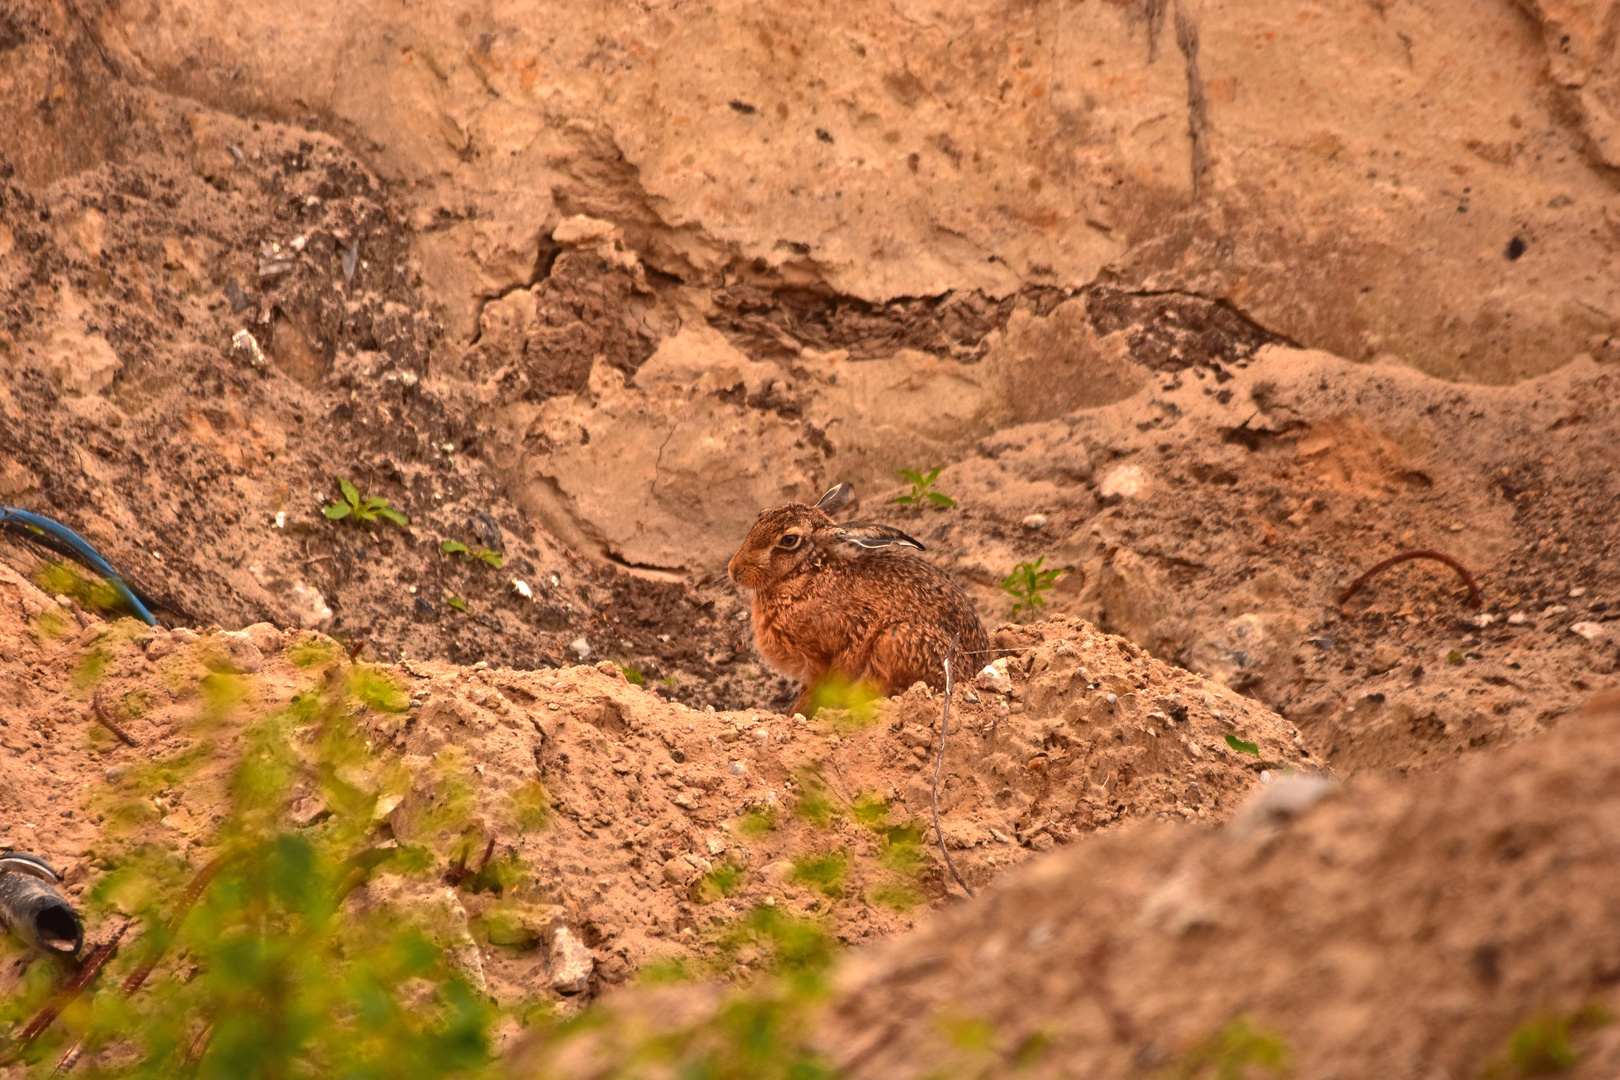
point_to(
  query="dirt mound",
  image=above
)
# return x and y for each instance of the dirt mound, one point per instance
(666, 822)
(1456, 923)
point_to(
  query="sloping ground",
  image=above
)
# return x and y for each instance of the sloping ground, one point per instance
(666, 822)
(1458, 922)
(1397, 928)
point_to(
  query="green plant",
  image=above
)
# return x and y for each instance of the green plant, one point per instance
(1544, 1045)
(258, 966)
(815, 804)
(1243, 747)
(531, 805)
(1229, 1053)
(456, 602)
(757, 822)
(725, 879)
(362, 511)
(922, 485)
(634, 676)
(482, 554)
(93, 593)
(1026, 583)
(824, 873)
(850, 704)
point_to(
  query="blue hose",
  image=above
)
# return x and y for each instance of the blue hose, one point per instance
(72, 543)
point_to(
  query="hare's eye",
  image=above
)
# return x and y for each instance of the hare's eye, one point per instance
(790, 541)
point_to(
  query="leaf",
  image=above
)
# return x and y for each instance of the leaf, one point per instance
(904, 499)
(940, 500)
(932, 476)
(1242, 747)
(458, 603)
(453, 547)
(492, 558)
(394, 515)
(349, 492)
(337, 510)
(910, 477)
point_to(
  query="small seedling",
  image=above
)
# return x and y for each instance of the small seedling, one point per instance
(457, 602)
(922, 489)
(363, 511)
(815, 804)
(632, 675)
(1243, 747)
(825, 873)
(1547, 1043)
(1026, 583)
(724, 880)
(852, 705)
(1229, 1053)
(484, 555)
(758, 822)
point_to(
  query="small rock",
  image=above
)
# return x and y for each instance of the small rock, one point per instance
(581, 230)
(248, 345)
(522, 589)
(1578, 591)
(570, 963)
(739, 768)
(1482, 620)
(1322, 643)
(681, 871)
(581, 647)
(265, 637)
(1456, 526)
(716, 846)
(1125, 482)
(1282, 799)
(1518, 618)
(234, 653)
(309, 606)
(307, 810)
(1035, 521)
(1112, 699)
(160, 646)
(116, 773)
(1591, 631)
(1554, 609)
(993, 676)
(1384, 657)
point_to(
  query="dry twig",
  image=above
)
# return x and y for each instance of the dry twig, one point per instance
(1437, 556)
(939, 768)
(86, 974)
(101, 714)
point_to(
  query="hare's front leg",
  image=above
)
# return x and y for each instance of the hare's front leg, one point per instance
(904, 654)
(804, 705)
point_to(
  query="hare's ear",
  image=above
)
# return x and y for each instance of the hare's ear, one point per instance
(857, 537)
(836, 499)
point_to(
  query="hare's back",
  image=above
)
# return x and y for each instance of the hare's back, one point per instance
(898, 585)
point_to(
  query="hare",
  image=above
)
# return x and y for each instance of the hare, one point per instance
(853, 601)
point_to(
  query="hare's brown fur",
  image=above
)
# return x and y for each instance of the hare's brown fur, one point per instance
(853, 600)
